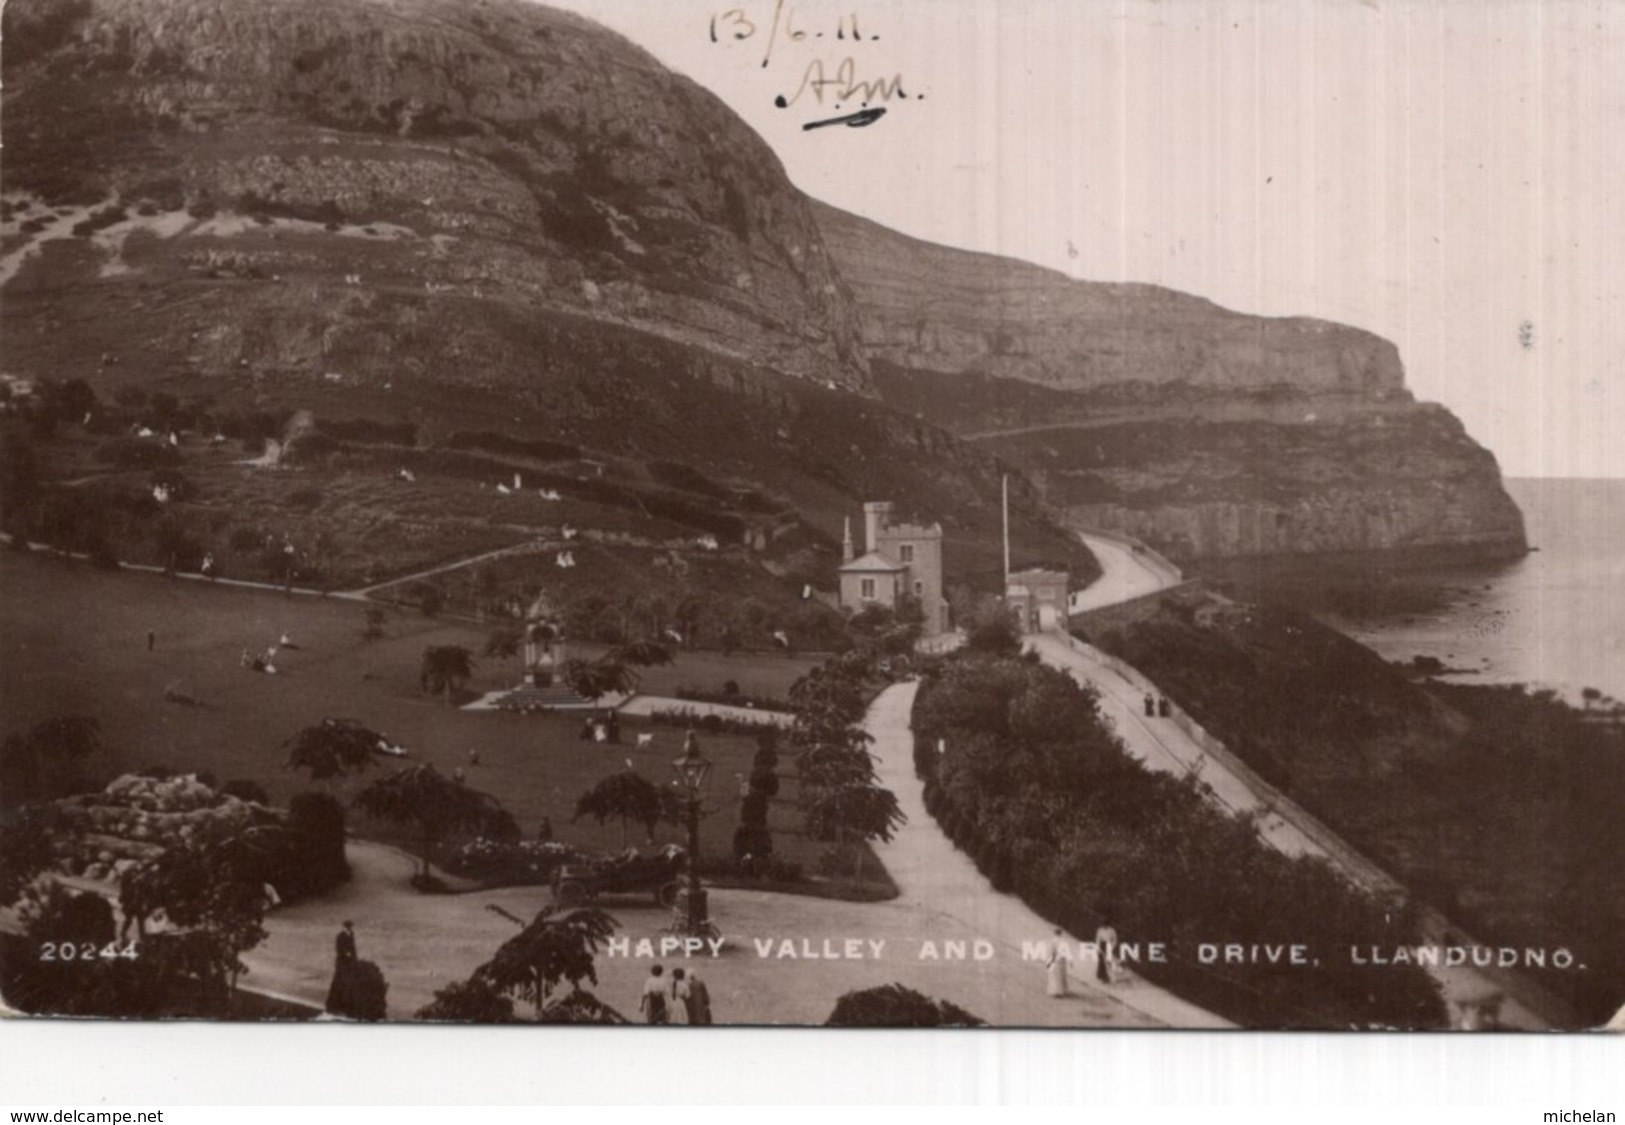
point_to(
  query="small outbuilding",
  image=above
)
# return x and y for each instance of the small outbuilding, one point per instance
(1039, 597)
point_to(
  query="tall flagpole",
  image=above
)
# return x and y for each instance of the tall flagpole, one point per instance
(1006, 532)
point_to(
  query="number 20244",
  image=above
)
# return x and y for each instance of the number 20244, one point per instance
(86, 951)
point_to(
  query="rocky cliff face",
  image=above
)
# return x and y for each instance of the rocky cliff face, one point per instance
(1205, 432)
(507, 149)
(1410, 481)
(934, 308)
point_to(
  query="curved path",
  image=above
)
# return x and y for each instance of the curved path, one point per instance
(938, 879)
(788, 958)
(1125, 574)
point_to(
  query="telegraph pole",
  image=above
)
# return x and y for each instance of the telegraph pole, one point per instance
(1006, 533)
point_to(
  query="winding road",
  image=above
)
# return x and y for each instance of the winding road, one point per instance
(1179, 745)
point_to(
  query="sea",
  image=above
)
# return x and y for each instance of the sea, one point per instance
(1554, 618)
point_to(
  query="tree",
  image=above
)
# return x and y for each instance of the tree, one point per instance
(993, 631)
(468, 1001)
(316, 826)
(503, 643)
(893, 1005)
(333, 748)
(853, 813)
(638, 654)
(80, 922)
(627, 795)
(552, 949)
(19, 480)
(594, 679)
(213, 891)
(75, 399)
(25, 849)
(615, 671)
(46, 760)
(421, 797)
(446, 668)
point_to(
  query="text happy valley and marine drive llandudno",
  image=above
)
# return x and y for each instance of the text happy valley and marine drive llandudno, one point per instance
(1126, 953)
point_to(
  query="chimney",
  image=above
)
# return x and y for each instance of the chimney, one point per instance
(876, 515)
(846, 542)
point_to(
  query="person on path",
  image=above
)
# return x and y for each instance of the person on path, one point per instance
(1150, 706)
(344, 952)
(152, 639)
(1164, 708)
(653, 1001)
(1106, 953)
(341, 993)
(679, 997)
(1055, 966)
(699, 1001)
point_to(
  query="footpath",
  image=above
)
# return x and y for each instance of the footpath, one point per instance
(941, 882)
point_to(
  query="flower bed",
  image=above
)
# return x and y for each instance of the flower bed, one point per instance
(136, 817)
(494, 863)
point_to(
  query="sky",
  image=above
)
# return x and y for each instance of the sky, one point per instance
(1448, 174)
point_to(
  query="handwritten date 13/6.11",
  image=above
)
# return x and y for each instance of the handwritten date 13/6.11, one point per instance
(821, 84)
(735, 25)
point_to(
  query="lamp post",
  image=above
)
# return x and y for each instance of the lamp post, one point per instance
(692, 768)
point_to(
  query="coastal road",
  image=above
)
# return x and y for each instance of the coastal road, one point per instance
(1179, 746)
(1125, 574)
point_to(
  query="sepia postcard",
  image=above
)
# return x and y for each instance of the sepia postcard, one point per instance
(919, 513)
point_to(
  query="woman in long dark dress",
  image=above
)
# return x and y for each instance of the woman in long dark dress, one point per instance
(341, 993)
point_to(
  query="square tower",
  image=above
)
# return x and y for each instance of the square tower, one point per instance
(902, 559)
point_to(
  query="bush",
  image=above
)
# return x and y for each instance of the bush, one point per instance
(893, 1005)
(753, 810)
(314, 860)
(1037, 789)
(752, 840)
(245, 790)
(765, 782)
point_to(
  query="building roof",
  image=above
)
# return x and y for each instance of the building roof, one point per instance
(872, 563)
(542, 608)
(1039, 574)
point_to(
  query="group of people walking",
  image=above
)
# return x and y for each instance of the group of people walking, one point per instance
(1055, 965)
(683, 999)
(1158, 707)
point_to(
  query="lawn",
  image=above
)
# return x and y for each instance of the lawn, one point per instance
(75, 642)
